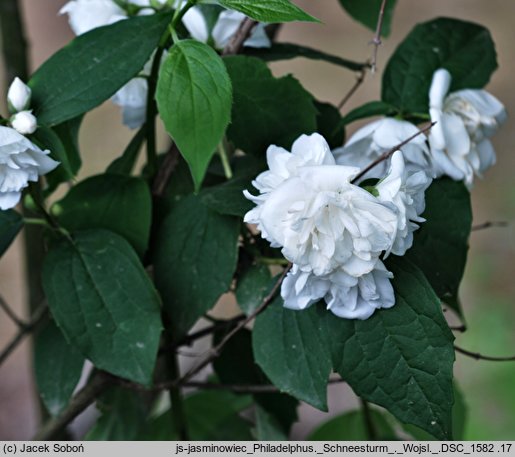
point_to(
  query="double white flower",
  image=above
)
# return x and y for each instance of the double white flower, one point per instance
(21, 160)
(85, 15)
(332, 230)
(465, 120)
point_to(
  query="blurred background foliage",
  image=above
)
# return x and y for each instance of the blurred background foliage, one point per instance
(488, 290)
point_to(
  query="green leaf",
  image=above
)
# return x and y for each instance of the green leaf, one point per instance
(104, 303)
(228, 198)
(121, 204)
(369, 109)
(269, 10)
(464, 48)
(11, 223)
(124, 165)
(253, 286)
(47, 139)
(367, 13)
(267, 110)
(195, 259)
(122, 416)
(68, 132)
(57, 368)
(288, 348)
(440, 245)
(352, 427)
(400, 358)
(236, 365)
(329, 124)
(267, 426)
(287, 51)
(93, 67)
(210, 416)
(193, 81)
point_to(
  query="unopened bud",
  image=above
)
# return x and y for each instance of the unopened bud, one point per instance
(24, 122)
(18, 96)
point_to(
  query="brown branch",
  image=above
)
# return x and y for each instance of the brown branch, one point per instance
(242, 34)
(24, 331)
(376, 41)
(214, 352)
(489, 224)
(458, 328)
(165, 171)
(478, 356)
(10, 313)
(387, 154)
(354, 88)
(77, 405)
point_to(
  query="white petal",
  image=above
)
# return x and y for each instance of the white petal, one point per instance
(196, 24)
(439, 88)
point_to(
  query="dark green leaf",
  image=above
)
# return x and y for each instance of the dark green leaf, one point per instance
(352, 427)
(441, 243)
(93, 67)
(122, 416)
(194, 260)
(124, 165)
(269, 10)
(459, 417)
(464, 48)
(267, 426)
(330, 125)
(193, 81)
(400, 358)
(367, 12)
(228, 198)
(210, 416)
(11, 223)
(104, 303)
(121, 204)
(368, 110)
(46, 138)
(267, 110)
(288, 347)
(253, 287)
(286, 51)
(68, 132)
(57, 368)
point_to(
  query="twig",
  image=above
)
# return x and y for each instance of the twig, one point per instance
(478, 356)
(376, 41)
(166, 169)
(354, 88)
(24, 331)
(214, 352)
(7, 309)
(242, 34)
(79, 403)
(387, 154)
(489, 224)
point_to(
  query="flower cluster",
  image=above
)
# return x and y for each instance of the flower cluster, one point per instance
(332, 230)
(21, 160)
(85, 15)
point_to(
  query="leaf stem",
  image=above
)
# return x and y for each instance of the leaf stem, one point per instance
(225, 160)
(367, 418)
(179, 418)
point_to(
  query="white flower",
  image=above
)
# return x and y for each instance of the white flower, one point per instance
(85, 15)
(24, 122)
(464, 121)
(225, 27)
(21, 161)
(346, 296)
(405, 191)
(18, 96)
(372, 140)
(132, 99)
(324, 222)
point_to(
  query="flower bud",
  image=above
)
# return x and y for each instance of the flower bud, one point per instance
(18, 96)
(24, 122)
